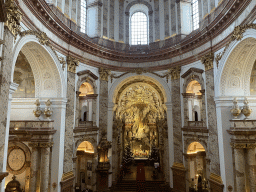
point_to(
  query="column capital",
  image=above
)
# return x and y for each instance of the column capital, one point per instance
(33, 144)
(188, 95)
(207, 60)
(46, 144)
(72, 64)
(175, 72)
(243, 145)
(104, 74)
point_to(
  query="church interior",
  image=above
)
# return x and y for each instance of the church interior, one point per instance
(127, 95)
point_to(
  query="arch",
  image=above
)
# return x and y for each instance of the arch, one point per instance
(234, 72)
(88, 139)
(199, 147)
(45, 65)
(85, 89)
(159, 84)
(85, 146)
(194, 87)
(149, 14)
(188, 142)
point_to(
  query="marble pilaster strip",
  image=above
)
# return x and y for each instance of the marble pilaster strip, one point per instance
(240, 169)
(200, 9)
(205, 7)
(59, 4)
(166, 19)
(5, 82)
(186, 115)
(33, 169)
(156, 19)
(105, 18)
(45, 162)
(121, 20)
(74, 10)
(178, 17)
(94, 109)
(173, 17)
(212, 124)
(203, 111)
(176, 114)
(68, 144)
(111, 19)
(78, 20)
(103, 105)
(66, 8)
(251, 168)
(151, 35)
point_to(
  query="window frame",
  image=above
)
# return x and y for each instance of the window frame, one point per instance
(83, 28)
(195, 15)
(130, 26)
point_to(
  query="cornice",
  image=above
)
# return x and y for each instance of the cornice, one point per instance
(211, 27)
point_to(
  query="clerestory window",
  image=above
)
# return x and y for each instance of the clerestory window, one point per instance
(139, 28)
(195, 14)
(83, 16)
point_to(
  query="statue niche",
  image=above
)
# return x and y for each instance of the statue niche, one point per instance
(139, 107)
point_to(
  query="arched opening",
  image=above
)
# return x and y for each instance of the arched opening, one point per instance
(85, 104)
(23, 76)
(84, 165)
(196, 162)
(139, 28)
(194, 101)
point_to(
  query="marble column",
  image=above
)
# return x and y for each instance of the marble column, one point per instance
(94, 110)
(45, 166)
(34, 167)
(240, 169)
(176, 114)
(212, 123)
(173, 17)
(166, 19)
(105, 18)
(251, 169)
(70, 114)
(111, 19)
(121, 21)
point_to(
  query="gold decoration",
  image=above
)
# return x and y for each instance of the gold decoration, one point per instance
(139, 71)
(236, 35)
(246, 109)
(174, 72)
(13, 18)
(67, 176)
(235, 111)
(72, 64)
(104, 73)
(216, 178)
(41, 36)
(62, 61)
(48, 111)
(207, 60)
(37, 112)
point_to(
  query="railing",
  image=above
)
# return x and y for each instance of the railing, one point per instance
(195, 124)
(31, 124)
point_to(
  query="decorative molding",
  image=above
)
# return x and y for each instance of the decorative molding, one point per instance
(192, 70)
(174, 72)
(46, 144)
(44, 40)
(243, 145)
(207, 60)
(67, 176)
(89, 73)
(104, 74)
(13, 18)
(72, 63)
(216, 178)
(237, 35)
(2, 11)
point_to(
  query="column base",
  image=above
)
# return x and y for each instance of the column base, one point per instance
(215, 182)
(67, 182)
(179, 177)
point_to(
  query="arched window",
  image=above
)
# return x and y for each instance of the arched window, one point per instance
(83, 16)
(195, 14)
(139, 29)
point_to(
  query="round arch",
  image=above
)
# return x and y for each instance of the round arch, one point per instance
(160, 83)
(234, 72)
(47, 70)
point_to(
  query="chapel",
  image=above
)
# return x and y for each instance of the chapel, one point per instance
(128, 95)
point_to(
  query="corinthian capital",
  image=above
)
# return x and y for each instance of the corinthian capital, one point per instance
(104, 73)
(207, 60)
(72, 64)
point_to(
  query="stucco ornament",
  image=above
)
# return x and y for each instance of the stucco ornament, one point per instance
(13, 18)
(246, 109)
(174, 72)
(104, 74)
(48, 110)
(72, 64)
(37, 112)
(235, 111)
(207, 60)
(41, 36)
(104, 145)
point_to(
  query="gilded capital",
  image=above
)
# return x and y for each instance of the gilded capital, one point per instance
(104, 73)
(207, 60)
(41, 36)
(46, 144)
(33, 145)
(72, 64)
(175, 72)
(13, 18)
